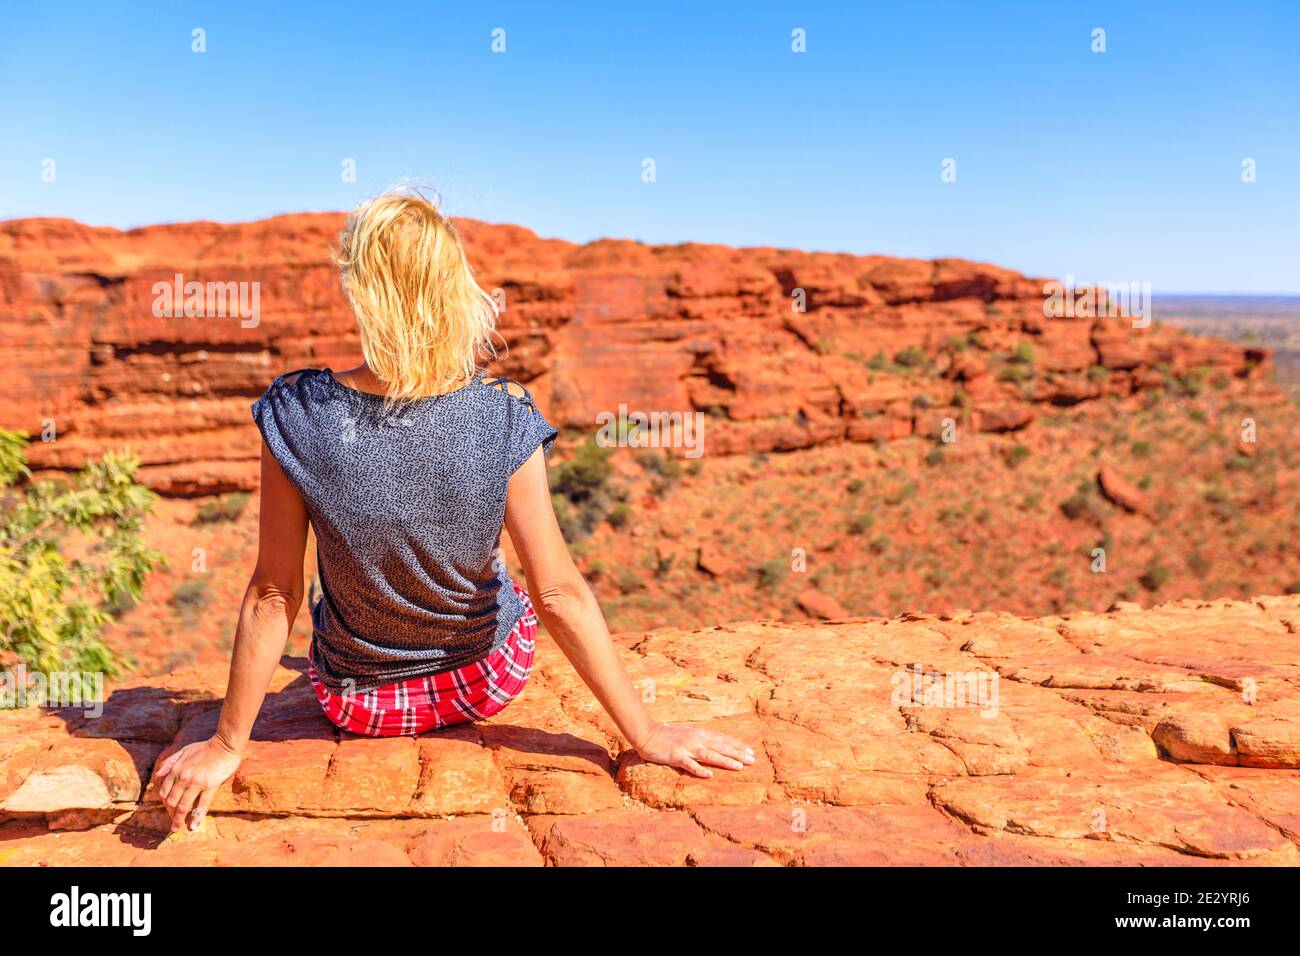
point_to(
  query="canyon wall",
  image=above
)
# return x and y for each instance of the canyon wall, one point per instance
(782, 349)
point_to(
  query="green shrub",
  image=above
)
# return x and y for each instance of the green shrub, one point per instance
(572, 524)
(619, 515)
(1154, 577)
(629, 579)
(662, 463)
(581, 493)
(911, 357)
(902, 494)
(224, 508)
(584, 475)
(772, 572)
(1083, 503)
(861, 524)
(54, 607)
(190, 595)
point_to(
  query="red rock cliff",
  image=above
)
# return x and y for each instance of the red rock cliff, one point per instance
(660, 328)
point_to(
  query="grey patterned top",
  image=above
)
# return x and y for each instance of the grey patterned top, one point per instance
(407, 507)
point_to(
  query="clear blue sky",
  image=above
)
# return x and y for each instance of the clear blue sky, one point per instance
(1122, 166)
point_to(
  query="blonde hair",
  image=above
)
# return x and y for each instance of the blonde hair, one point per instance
(424, 320)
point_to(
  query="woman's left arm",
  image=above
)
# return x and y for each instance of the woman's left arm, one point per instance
(191, 777)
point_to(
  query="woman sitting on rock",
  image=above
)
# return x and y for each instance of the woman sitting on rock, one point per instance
(407, 467)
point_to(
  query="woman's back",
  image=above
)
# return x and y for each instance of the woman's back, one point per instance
(408, 482)
(407, 502)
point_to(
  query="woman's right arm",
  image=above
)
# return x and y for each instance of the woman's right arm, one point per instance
(572, 617)
(191, 777)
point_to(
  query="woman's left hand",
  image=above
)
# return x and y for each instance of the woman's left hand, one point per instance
(693, 749)
(191, 777)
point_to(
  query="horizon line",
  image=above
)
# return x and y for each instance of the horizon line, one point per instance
(1290, 294)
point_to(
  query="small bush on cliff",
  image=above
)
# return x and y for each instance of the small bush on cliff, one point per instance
(1016, 454)
(1154, 577)
(191, 596)
(69, 554)
(629, 579)
(582, 494)
(911, 357)
(1198, 564)
(666, 468)
(1017, 374)
(584, 475)
(225, 508)
(1083, 504)
(861, 524)
(772, 572)
(619, 515)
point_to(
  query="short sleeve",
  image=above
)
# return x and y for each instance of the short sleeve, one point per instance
(528, 430)
(272, 414)
(264, 414)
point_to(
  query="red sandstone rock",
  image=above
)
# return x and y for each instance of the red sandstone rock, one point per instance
(1122, 492)
(1061, 768)
(817, 604)
(673, 328)
(967, 367)
(476, 841)
(1004, 418)
(713, 561)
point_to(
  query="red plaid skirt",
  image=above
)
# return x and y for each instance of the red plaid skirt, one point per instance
(459, 696)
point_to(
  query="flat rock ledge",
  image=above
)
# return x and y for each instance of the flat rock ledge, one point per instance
(1135, 737)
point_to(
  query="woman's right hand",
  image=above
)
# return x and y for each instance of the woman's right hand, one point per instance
(191, 777)
(693, 749)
